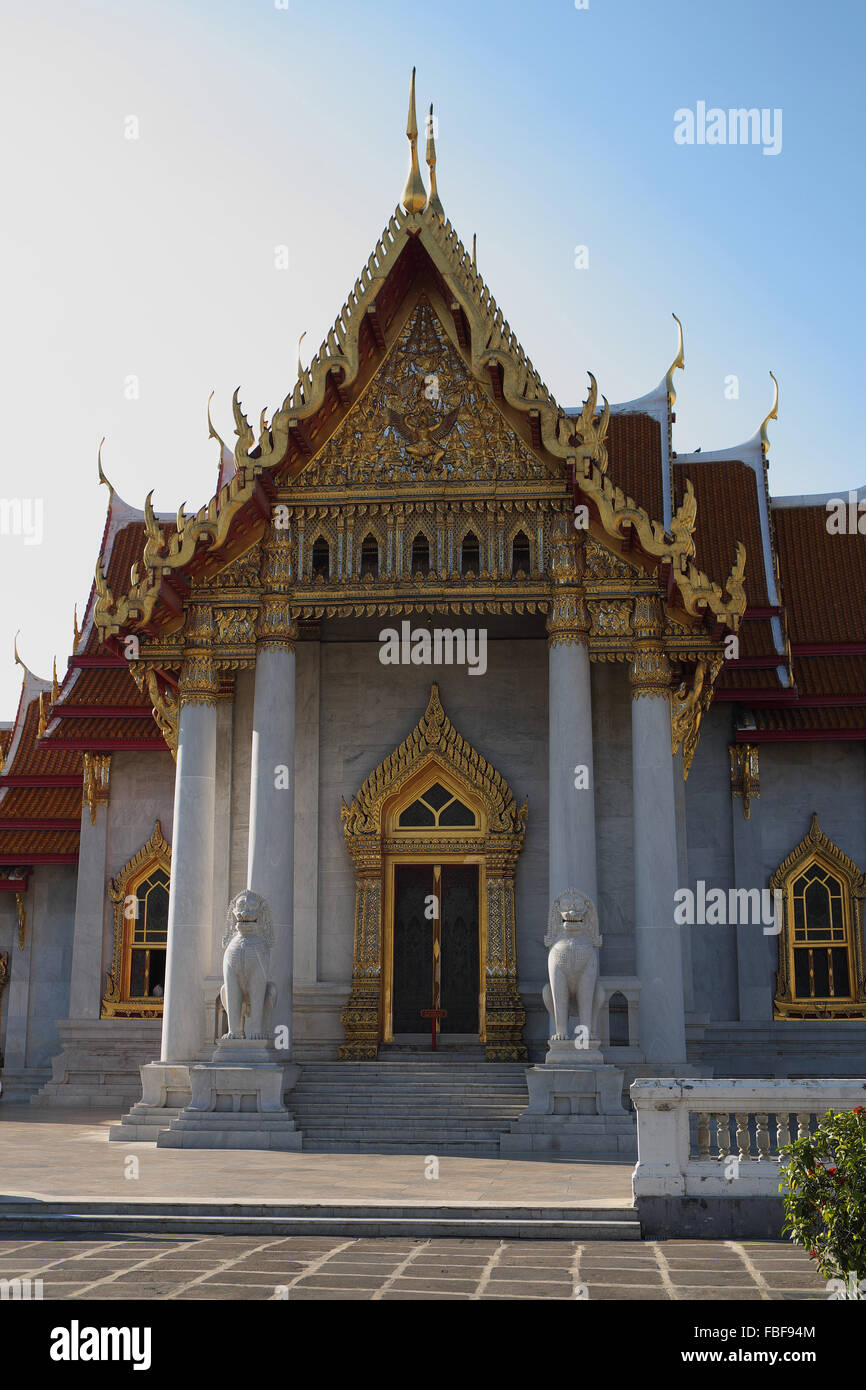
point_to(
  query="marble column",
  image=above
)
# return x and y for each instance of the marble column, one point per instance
(270, 865)
(190, 908)
(17, 994)
(87, 975)
(657, 935)
(571, 834)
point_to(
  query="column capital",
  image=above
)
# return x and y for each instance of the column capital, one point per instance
(568, 623)
(97, 778)
(199, 677)
(277, 628)
(650, 672)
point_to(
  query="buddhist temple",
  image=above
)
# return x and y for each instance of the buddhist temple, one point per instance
(434, 637)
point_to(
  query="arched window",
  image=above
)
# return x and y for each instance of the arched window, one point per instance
(320, 566)
(135, 985)
(521, 556)
(617, 1020)
(470, 562)
(821, 941)
(420, 555)
(369, 557)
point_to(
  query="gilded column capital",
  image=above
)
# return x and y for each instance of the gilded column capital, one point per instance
(277, 628)
(568, 623)
(650, 672)
(199, 677)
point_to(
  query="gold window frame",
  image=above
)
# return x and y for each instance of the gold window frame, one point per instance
(817, 848)
(155, 854)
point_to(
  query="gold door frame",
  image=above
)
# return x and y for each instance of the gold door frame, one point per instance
(434, 751)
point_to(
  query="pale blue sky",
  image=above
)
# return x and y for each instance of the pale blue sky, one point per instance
(262, 126)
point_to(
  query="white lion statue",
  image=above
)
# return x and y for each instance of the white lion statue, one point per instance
(572, 963)
(247, 992)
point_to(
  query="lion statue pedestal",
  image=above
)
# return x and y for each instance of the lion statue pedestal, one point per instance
(575, 1099)
(237, 1098)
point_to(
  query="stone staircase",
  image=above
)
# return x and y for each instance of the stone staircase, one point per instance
(445, 1103)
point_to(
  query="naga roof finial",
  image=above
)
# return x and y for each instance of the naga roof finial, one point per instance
(414, 194)
(678, 362)
(102, 477)
(434, 202)
(773, 415)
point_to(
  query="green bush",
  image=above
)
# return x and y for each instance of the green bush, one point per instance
(824, 1191)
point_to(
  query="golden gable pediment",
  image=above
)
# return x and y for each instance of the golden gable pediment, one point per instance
(423, 418)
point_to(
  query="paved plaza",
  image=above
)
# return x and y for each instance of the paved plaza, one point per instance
(50, 1154)
(300, 1267)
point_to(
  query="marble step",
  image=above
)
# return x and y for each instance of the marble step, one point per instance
(472, 1221)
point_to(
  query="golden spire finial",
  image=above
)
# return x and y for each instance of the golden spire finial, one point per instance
(76, 630)
(434, 202)
(678, 362)
(414, 194)
(18, 661)
(102, 477)
(55, 684)
(773, 415)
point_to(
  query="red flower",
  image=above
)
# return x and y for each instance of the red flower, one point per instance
(858, 1110)
(813, 1254)
(832, 1172)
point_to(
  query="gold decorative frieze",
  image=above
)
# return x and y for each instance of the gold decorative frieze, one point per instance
(610, 618)
(97, 777)
(745, 773)
(22, 920)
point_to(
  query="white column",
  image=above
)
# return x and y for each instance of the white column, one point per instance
(571, 831)
(17, 994)
(271, 861)
(572, 808)
(190, 908)
(270, 869)
(657, 936)
(87, 975)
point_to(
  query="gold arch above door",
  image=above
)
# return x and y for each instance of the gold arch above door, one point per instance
(435, 751)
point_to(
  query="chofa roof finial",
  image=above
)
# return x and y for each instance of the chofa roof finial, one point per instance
(434, 202)
(414, 194)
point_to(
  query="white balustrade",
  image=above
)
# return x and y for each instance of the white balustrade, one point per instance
(685, 1128)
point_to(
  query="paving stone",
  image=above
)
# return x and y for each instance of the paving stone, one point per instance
(343, 1281)
(408, 1283)
(620, 1276)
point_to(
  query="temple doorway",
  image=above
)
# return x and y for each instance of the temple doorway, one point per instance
(436, 976)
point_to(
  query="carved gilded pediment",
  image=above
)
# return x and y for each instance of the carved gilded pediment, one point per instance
(423, 418)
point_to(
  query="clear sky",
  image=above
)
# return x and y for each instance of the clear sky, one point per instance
(261, 126)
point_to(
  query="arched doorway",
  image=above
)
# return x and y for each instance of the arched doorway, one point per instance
(434, 827)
